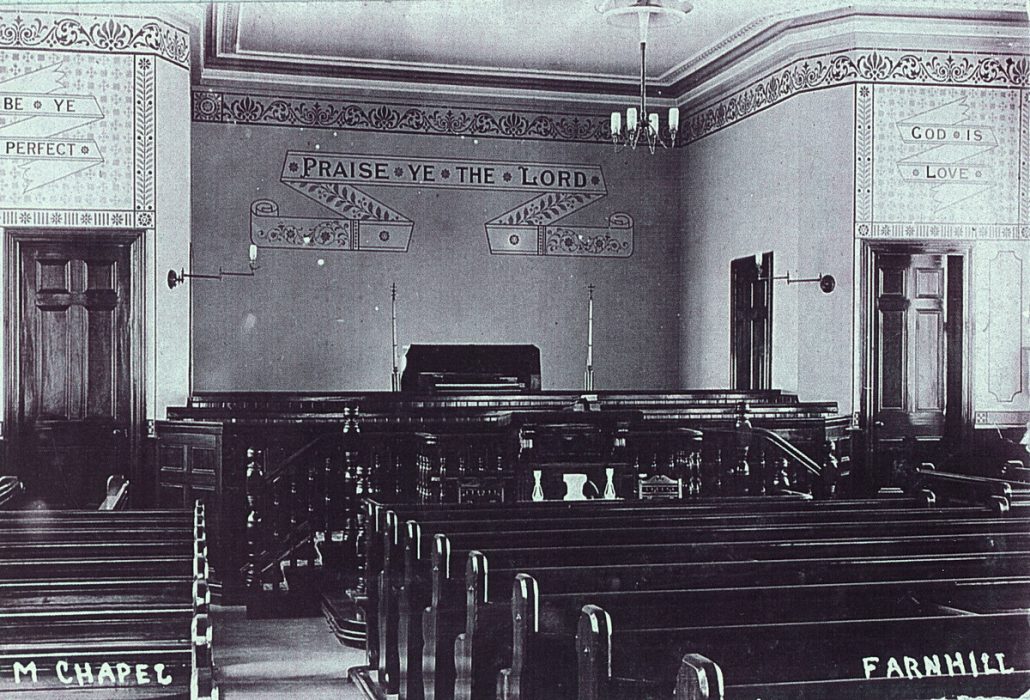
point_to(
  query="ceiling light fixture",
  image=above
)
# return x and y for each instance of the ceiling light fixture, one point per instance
(641, 124)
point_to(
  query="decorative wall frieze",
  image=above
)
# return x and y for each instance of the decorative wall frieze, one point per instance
(799, 76)
(858, 66)
(262, 110)
(77, 218)
(94, 33)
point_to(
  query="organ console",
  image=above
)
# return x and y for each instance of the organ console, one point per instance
(471, 368)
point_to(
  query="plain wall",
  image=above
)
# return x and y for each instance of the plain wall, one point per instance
(781, 181)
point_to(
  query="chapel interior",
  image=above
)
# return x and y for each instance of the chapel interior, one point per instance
(515, 349)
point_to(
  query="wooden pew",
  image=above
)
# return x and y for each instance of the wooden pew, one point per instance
(56, 591)
(85, 550)
(387, 542)
(699, 543)
(134, 635)
(854, 659)
(699, 678)
(487, 622)
(545, 624)
(966, 488)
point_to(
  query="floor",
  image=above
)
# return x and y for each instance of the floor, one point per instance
(298, 659)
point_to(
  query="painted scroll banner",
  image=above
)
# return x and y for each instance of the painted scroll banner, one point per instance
(337, 181)
(33, 115)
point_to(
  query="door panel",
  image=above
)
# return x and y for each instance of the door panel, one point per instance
(910, 351)
(75, 386)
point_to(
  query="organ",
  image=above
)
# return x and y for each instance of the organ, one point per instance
(464, 368)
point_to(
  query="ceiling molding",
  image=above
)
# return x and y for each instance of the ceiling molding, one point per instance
(831, 18)
(771, 38)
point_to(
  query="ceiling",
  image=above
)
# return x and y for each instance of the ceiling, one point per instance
(537, 45)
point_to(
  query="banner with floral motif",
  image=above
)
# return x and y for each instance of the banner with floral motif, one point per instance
(361, 222)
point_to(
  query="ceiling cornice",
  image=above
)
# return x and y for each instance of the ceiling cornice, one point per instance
(774, 28)
(733, 60)
(222, 55)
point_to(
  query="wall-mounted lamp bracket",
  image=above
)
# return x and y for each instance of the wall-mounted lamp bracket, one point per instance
(826, 282)
(177, 278)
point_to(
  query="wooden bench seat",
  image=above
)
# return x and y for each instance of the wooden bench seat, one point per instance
(39, 592)
(749, 561)
(178, 517)
(84, 534)
(803, 659)
(827, 589)
(700, 678)
(86, 550)
(405, 604)
(122, 611)
(385, 542)
(161, 668)
(142, 565)
(385, 519)
(544, 627)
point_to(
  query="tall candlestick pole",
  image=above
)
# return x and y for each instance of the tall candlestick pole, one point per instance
(588, 377)
(395, 377)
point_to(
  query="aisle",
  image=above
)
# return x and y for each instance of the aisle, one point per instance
(294, 658)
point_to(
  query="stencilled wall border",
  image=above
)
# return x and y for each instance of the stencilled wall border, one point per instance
(861, 65)
(232, 107)
(144, 144)
(27, 29)
(798, 76)
(1024, 159)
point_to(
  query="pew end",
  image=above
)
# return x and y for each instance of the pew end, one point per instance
(594, 651)
(699, 678)
(117, 497)
(11, 491)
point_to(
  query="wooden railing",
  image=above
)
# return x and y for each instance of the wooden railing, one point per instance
(284, 475)
(302, 512)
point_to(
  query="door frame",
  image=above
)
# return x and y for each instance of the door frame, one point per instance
(867, 372)
(766, 272)
(13, 240)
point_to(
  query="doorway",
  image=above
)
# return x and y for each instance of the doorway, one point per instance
(916, 342)
(751, 322)
(74, 404)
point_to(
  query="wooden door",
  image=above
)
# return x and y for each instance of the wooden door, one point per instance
(911, 355)
(74, 380)
(751, 322)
